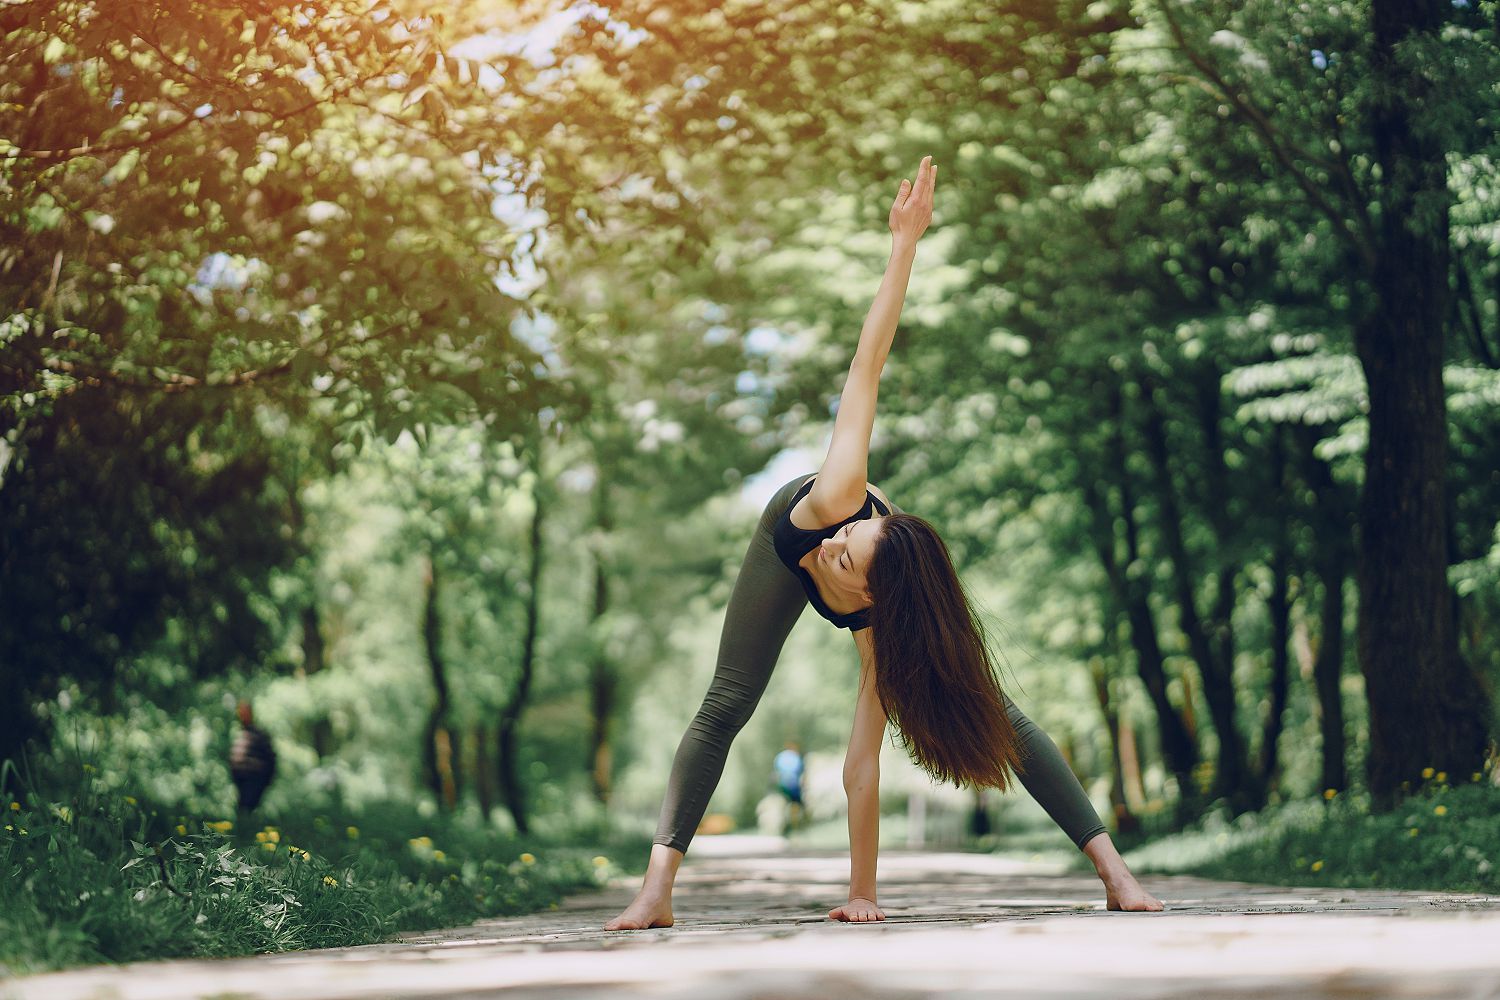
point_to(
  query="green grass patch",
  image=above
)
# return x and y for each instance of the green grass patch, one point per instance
(90, 875)
(1446, 839)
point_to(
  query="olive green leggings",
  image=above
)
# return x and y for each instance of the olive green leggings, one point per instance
(763, 607)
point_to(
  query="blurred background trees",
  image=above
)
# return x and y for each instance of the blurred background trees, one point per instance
(422, 373)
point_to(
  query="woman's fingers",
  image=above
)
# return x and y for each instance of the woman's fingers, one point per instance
(926, 178)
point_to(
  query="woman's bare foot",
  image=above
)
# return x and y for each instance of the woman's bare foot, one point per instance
(857, 911)
(1121, 890)
(645, 911)
(1126, 894)
(652, 906)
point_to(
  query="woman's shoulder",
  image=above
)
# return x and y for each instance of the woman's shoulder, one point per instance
(802, 511)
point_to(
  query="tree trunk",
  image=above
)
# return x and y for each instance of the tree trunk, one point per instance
(437, 743)
(314, 649)
(507, 738)
(1231, 776)
(1130, 768)
(1125, 821)
(1130, 592)
(602, 680)
(1279, 611)
(314, 659)
(484, 774)
(1331, 562)
(1427, 708)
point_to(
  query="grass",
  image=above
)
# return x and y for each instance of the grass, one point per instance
(89, 875)
(1446, 839)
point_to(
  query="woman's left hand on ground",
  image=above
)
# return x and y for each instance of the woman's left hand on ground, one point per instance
(857, 911)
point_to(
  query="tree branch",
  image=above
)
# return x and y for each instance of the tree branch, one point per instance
(1272, 138)
(169, 381)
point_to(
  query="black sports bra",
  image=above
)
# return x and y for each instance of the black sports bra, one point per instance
(792, 543)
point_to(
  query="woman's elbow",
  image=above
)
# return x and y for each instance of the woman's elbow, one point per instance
(861, 774)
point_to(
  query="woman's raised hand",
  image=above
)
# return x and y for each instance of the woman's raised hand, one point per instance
(912, 212)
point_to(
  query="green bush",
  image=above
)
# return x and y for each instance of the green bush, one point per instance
(89, 874)
(1447, 839)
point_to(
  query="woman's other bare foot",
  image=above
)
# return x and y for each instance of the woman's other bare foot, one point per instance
(645, 911)
(857, 911)
(652, 906)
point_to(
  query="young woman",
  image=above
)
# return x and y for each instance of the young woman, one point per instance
(924, 665)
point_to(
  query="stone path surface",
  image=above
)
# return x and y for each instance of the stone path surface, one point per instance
(960, 927)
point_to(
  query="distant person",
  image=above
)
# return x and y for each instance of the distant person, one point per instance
(252, 760)
(924, 663)
(788, 768)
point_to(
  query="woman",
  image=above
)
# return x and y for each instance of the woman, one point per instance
(924, 666)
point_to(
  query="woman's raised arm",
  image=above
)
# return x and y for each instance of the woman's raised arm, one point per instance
(840, 488)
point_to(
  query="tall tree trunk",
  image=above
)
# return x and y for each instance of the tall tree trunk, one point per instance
(1231, 776)
(484, 774)
(314, 649)
(1427, 708)
(1125, 821)
(1279, 611)
(507, 738)
(1179, 750)
(437, 742)
(314, 659)
(1331, 560)
(602, 680)
(1130, 767)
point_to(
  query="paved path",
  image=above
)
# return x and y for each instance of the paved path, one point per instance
(961, 927)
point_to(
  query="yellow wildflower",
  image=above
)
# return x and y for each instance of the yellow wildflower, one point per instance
(15, 807)
(353, 832)
(1440, 810)
(439, 856)
(1412, 832)
(9, 827)
(223, 826)
(600, 861)
(528, 858)
(1427, 772)
(1442, 776)
(130, 799)
(330, 880)
(269, 847)
(22, 831)
(1317, 865)
(1330, 793)
(181, 830)
(260, 838)
(273, 835)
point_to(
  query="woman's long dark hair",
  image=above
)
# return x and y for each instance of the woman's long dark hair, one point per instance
(933, 670)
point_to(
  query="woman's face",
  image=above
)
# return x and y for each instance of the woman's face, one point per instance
(845, 557)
